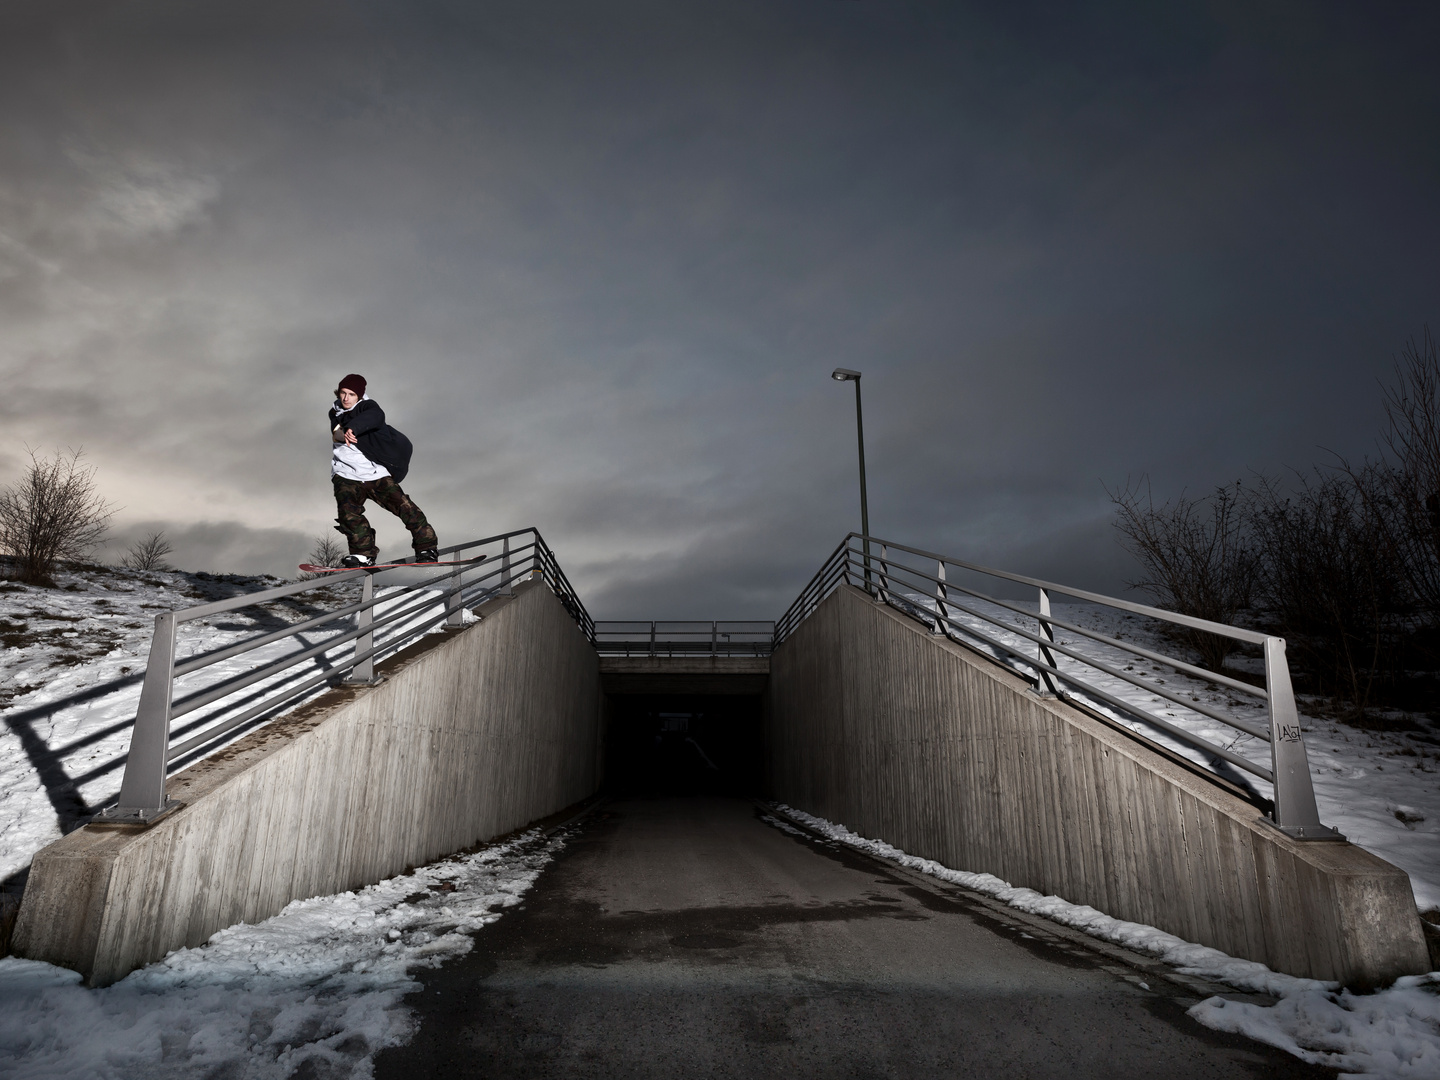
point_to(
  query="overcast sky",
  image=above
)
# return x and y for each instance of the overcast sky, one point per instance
(597, 260)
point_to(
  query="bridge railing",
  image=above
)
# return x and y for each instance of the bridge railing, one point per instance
(222, 692)
(933, 588)
(639, 637)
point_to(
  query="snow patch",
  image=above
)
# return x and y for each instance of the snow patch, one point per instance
(1395, 1033)
(321, 983)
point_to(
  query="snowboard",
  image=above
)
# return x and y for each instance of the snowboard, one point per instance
(311, 568)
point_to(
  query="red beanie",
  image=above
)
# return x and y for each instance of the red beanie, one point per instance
(352, 382)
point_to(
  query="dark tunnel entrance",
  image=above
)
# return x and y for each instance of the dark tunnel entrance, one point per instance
(683, 744)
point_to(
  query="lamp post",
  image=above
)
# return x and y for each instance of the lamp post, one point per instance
(841, 374)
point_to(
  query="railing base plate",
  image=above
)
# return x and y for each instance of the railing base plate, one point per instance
(1304, 832)
(376, 681)
(142, 816)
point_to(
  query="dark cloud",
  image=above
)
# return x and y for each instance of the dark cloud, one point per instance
(598, 261)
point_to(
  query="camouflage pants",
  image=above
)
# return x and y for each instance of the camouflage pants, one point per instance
(350, 496)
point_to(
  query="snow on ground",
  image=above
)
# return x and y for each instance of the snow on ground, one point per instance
(1392, 1033)
(317, 989)
(70, 671)
(1381, 789)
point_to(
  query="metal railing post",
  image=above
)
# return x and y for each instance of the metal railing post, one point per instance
(364, 671)
(1048, 632)
(941, 595)
(142, 791)
(714, 636)
(506, 588)
(453, 603)
(652, 637)
(1295, 811)
(884, 589)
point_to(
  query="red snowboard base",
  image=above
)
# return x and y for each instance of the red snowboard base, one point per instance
(311, 568)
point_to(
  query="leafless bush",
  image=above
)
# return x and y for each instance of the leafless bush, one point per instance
(149, 553)
(1344, 562)
(1406, 505)
(1196, 556)
(52, 514)
(1329, 579)
(326, 552)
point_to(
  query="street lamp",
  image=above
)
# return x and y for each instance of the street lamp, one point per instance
(841, 374)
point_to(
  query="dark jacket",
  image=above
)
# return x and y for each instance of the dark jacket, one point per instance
(376, 439)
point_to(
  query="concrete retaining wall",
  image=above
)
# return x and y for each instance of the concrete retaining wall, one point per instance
(471, 736)
(876, 723)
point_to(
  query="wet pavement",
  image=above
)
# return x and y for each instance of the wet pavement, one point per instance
(690, 938)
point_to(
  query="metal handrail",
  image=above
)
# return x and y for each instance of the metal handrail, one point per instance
(692, 637)
(560, 584)
(932, 597)
(461, 582)
(184, 706)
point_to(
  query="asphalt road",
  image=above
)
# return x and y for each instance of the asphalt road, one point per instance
(689, 938)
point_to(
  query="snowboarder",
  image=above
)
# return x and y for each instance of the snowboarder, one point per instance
(368, 461)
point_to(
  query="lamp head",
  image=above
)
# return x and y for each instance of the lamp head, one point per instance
(841, 374)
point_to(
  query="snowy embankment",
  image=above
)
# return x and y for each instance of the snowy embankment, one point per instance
(70, 672)
(1392, 1033)
(1381, 789)
(318, 989)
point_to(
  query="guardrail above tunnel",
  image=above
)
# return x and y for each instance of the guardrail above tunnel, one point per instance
(949, 596)
(676, 638)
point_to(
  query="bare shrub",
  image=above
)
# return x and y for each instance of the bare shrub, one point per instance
(52, 514)
(1407, 505)
(326, 552)
(149, 553)
(1329, 578)
(1344, 562)
(1196, 556)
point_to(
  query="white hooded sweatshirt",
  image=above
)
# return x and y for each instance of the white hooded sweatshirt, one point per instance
(346, 460)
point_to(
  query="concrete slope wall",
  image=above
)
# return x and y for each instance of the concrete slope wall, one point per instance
(876, 723)
(470, 736)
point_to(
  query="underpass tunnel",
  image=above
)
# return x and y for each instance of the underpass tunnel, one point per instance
(678, 744)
